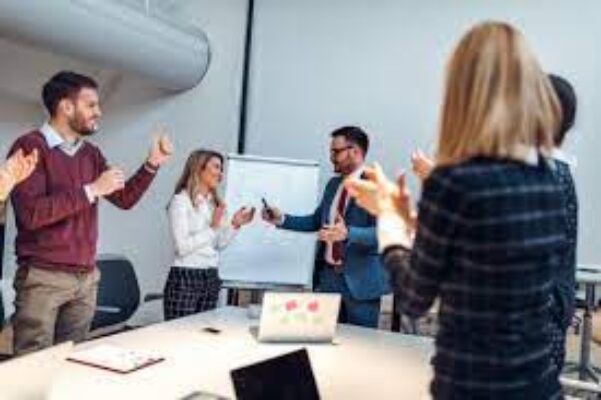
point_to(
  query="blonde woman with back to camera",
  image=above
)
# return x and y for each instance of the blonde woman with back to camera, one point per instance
(489, 229)
(200, 229)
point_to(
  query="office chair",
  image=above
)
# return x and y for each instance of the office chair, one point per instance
(118, 295)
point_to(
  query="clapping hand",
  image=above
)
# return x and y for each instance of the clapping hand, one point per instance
(336, 232)
(16, 169)
(243, 216)
(108, 182)
(377, 194)
(160, 149)
(421, 164)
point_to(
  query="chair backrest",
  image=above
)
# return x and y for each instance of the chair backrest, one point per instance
(118, 292)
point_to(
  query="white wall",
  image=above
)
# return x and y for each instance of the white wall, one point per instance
(16, 117)
(317, 65)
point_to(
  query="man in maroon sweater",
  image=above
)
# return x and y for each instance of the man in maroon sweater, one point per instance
(56, 212)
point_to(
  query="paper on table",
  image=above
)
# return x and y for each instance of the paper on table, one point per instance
(113, 358)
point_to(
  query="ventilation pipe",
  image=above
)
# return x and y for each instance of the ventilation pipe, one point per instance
(111, 35)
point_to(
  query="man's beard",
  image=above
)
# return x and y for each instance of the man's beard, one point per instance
(80, 127)
(341, 168)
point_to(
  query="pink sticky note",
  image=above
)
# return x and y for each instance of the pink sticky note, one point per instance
(291, 305)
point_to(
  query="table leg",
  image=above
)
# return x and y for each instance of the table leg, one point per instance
(586, 371)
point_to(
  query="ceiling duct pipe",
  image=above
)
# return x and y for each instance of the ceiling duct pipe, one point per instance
(111, 35)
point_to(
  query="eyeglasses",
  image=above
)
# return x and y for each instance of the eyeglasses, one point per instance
(335, 152)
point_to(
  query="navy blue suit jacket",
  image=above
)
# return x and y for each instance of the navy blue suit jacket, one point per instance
(363, 273)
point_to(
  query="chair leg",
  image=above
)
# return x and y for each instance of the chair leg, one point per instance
(576, 323)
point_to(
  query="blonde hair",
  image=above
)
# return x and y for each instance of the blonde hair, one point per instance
(497, 99)
(190, 180)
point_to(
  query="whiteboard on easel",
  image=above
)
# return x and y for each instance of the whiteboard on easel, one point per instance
(262, 255)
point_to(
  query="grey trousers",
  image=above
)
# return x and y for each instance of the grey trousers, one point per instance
(52, 306)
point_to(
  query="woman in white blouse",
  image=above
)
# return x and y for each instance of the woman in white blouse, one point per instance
(200, 230)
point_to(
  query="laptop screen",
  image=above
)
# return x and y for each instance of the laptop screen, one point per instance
(288, 376)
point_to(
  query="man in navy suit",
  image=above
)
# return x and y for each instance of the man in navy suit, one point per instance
(347, 259)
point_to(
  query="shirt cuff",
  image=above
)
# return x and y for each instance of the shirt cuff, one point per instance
(392, 231)
(150, 168)
(231, 232)
(89, 193)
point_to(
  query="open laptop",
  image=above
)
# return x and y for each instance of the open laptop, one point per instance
(288, 376)
(31, 376)
(298, 317)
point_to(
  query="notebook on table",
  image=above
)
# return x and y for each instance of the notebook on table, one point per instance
(114, 358)
(298, 317)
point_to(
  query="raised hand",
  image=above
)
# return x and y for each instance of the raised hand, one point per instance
(421, 164)
(271, 215)
(20, 166)
(377, 194)
(160, 149)
(243, 216)
(402, 199)
(16, 169)
(336, 232)
(108, 182)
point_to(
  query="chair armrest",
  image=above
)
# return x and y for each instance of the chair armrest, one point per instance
(152, 297)
(108, 309)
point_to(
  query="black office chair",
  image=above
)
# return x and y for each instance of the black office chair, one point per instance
(118, 295)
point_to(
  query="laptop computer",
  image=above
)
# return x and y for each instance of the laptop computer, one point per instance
(31, 376)
(298, 317)
(288, 376)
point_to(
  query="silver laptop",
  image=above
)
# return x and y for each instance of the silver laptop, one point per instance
(31, 376)
(298, 317)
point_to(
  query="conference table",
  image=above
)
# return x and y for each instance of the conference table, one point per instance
(361, 363)
(589, 276)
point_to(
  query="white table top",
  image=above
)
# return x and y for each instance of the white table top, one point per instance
(588, 274)
(361, 364)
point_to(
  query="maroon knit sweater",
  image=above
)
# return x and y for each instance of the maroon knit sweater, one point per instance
(56, 223)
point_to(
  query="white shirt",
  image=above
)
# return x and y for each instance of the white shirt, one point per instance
(197, 245)
(53, 139)
(332, 214)
(560, 155)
